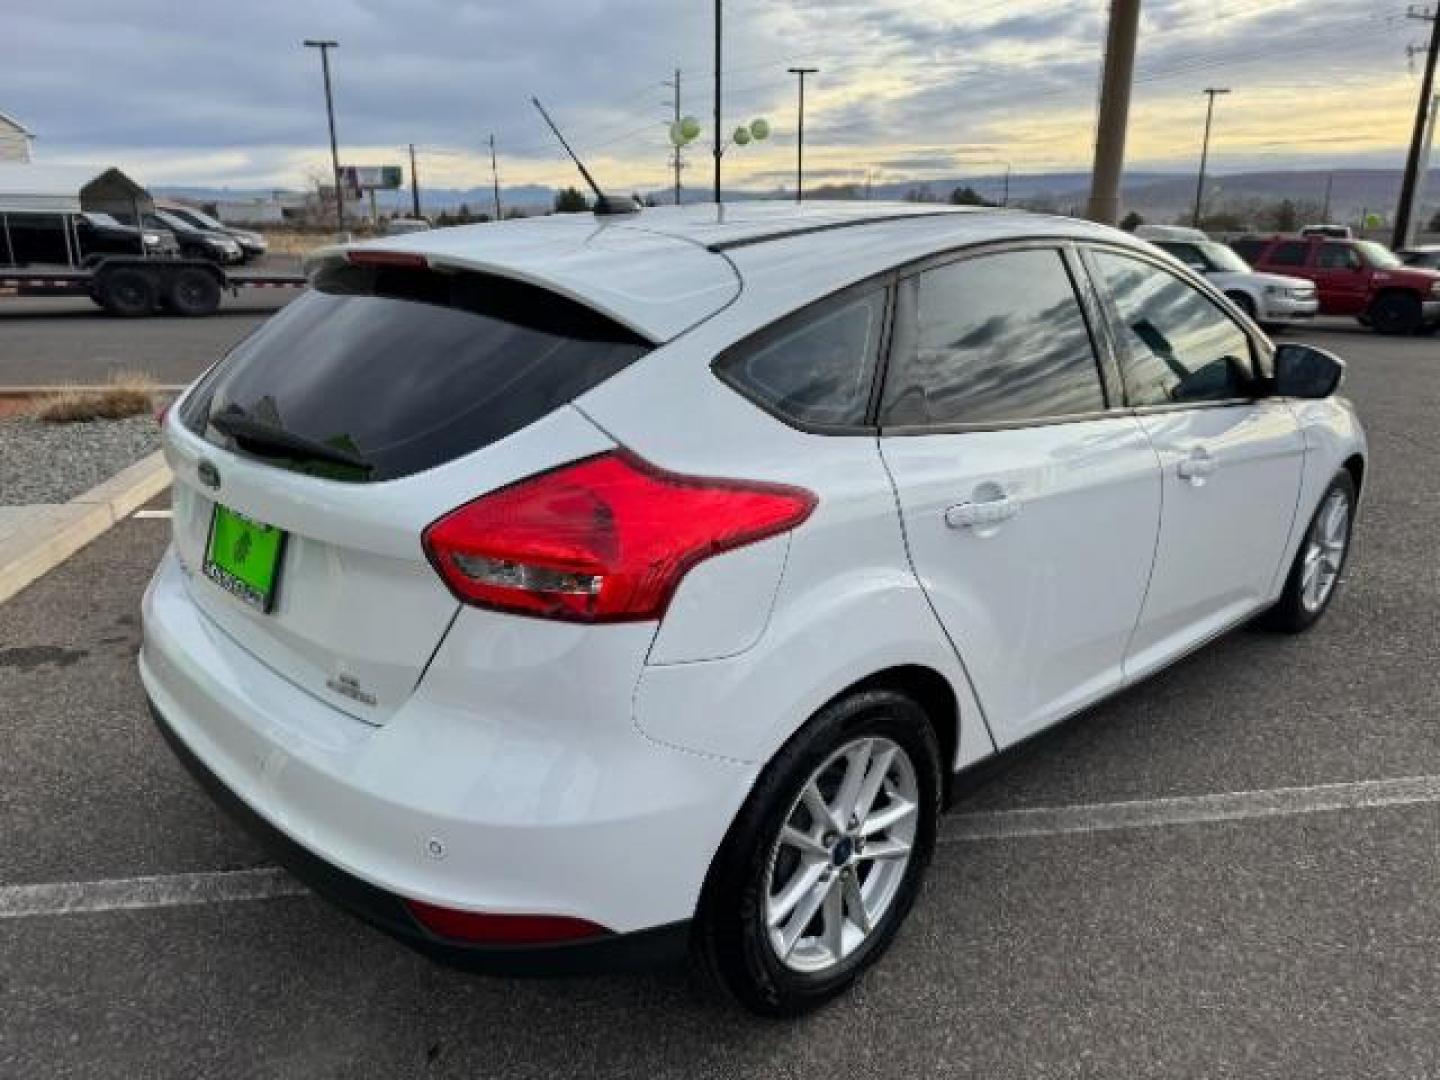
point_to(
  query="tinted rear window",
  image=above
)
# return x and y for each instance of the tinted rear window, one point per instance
(397, 370)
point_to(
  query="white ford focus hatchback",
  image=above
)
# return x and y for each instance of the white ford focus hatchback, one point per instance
(581, 591)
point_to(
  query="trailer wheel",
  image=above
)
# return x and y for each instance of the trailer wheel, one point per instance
(193, 292)
(127, 292)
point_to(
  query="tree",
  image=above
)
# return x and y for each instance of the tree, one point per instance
(921, 194)
(1132, 221)
(968, 196)
(570, 201)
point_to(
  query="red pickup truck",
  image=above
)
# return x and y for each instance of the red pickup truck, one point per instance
(1359, 278)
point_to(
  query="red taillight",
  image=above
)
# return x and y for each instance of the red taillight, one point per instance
(364, 257)
(479, 928)
(606, 539)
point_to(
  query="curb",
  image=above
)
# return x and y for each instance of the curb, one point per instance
(51, 534)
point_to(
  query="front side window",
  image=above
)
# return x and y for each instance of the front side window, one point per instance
(1189, 254)
(1179, 347)
(1290, 253)
(817, 369)
(996, 339)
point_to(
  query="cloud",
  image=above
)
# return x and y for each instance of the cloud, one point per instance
(226, 94)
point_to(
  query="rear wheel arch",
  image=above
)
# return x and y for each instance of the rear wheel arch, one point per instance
(933, 693)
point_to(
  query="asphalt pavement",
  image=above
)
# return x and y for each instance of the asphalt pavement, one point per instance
(1302, 941)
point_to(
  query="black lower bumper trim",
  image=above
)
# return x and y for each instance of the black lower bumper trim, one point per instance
(663, 946)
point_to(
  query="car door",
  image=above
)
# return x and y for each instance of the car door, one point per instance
(1231, 458)
(1030, 499)
(1342, 277)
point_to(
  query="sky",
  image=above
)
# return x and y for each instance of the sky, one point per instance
(224, 94)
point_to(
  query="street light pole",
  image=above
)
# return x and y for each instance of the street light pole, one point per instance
(325, 47)
(800, 133)
(1115, 86)
(718, 56)
(1212, 92)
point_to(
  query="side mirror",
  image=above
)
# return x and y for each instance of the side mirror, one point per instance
(1303, 371)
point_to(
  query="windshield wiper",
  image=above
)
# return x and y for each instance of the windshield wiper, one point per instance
(267, 435)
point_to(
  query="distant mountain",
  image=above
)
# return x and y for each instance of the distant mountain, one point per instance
(1159, 197)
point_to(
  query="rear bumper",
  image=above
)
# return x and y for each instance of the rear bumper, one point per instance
(495, 789)
(662, 946)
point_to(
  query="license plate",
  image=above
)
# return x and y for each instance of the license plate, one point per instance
(243, 557)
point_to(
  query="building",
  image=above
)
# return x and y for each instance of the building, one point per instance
(15, 139)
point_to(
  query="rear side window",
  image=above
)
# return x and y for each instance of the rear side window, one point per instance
(378, 372)
(1178, 346)
(1339, 257)
(1290, 253)
(817, 368)
(996, 339)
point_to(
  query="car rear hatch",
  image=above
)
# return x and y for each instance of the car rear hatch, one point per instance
(309, 462)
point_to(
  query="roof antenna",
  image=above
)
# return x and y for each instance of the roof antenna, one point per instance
(605, 206)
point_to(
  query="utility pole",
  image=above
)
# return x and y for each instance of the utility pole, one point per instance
(495, 178)
(414, 183)
(675, 160)
(325, 47)
(1212, 92)
(1411, 185)
(718, 56)
(800, 134)
(1115, 86)
(1329, 194)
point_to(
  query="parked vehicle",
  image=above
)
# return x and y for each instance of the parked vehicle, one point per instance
(1272, 300)
(30, 238)
(1358, 278)
(252, 244)
(197, 243)
(405, 226)
(690, 559)
(1426, 257)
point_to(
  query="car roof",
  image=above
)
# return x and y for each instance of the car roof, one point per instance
(662, 271)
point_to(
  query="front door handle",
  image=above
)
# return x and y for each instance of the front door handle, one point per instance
(972, 515)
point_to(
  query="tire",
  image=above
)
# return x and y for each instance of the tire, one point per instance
(749, 879)
(193, 292)
(1396, 313)
(1301, 605)
(1245, 304)
(128, 292)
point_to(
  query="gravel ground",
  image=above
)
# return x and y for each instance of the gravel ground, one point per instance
(52, 463)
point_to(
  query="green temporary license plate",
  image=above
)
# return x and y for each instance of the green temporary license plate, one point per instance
(243, 557)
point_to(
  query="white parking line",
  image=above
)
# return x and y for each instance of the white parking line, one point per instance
(1189, 810)
(180, 890)
(152, 514)
(127, 894)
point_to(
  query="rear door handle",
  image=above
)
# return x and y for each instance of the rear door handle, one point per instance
(971, 515)
(1197, 468)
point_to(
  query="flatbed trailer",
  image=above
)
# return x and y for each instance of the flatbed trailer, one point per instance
(132, 285)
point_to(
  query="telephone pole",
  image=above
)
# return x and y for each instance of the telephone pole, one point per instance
(1410, 187)
(1212, 92)
(1115, 85)
(495, 178)
(800, 133)
(414, 183)
(719, 149)
(325, 47)
(675, 160)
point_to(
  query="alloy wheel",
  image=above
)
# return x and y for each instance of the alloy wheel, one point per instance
(841, 855)
(1325, 552)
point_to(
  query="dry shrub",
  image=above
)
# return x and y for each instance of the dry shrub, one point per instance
(126, 394)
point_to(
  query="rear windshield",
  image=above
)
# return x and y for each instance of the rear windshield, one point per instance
(378, 372)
